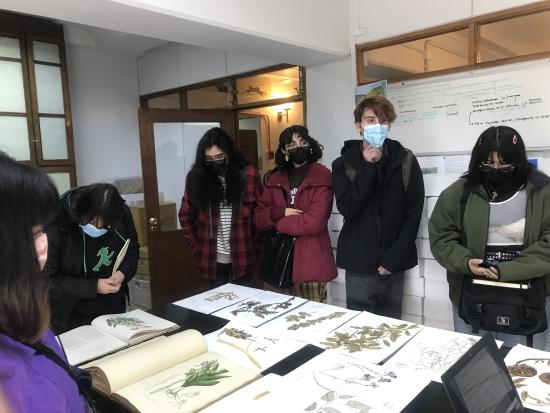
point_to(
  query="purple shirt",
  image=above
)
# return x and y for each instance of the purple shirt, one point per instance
(33, 383)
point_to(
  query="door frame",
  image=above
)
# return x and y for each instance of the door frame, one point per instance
(169, 286)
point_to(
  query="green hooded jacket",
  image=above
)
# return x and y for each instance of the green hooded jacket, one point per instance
(445, 234)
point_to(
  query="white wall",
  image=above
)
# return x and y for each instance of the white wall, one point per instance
(374, 20)
(330, 105)
(174, 65)
(303, 22)
(104, 102)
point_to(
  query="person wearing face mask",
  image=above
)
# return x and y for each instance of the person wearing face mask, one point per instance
(379, 190)
(297, 200)
(221, 191)
(93, 224)
(494, 223)
(34, 374)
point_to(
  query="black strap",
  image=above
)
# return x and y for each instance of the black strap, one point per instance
(406, 167)
(51, 355)
(530, 340)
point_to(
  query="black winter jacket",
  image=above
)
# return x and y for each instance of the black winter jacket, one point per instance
(70, 289)
(381, 219)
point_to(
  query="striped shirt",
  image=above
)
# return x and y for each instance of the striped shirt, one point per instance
(224, 228)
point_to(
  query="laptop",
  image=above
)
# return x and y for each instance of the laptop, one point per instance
(479, 381)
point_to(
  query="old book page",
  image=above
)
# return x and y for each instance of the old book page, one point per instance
(120, 370)
(186, 387)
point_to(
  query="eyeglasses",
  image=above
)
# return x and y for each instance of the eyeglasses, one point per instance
(293, 145)
(214, 158)
(488, 167)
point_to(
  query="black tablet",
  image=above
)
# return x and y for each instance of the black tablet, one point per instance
(479, 381)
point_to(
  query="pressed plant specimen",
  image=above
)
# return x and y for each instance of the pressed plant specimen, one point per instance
(368, 337)
(308, 323)
(131, 322)
(230, 296)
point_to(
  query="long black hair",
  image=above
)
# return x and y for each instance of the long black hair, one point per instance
(508, 143)
(203, 185)
(315, 152)
(98, 200)
(27, 198)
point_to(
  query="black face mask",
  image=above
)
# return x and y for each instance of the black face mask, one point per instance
(298, 155)
(497, 178)
(218, 167)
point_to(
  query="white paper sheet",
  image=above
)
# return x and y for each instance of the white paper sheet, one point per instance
(334, 382)
(530, 371)
(250, 347)
(86, 343)
(248, 399)
(218, 298)
(370, 337)
(310, 322)
(260, 308)
(432, 351)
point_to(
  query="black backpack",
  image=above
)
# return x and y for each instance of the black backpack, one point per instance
(520, 311)
(406, 166)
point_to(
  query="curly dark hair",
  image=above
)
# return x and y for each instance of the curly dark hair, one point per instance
(315, 153)
(204, 186)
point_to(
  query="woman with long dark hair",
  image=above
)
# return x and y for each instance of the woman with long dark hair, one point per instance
(297, 201)
(216, 212)
(494, 224)
(90, 230)
(29, 377)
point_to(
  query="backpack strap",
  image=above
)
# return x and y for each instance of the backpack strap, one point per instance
(406, 167)
(350, 170)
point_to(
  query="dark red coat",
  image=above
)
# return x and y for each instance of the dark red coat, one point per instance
(200, 230)
(313, 259)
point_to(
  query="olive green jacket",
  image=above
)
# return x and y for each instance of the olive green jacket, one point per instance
(449, 251)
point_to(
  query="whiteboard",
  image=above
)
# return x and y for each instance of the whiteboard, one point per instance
(448, 113)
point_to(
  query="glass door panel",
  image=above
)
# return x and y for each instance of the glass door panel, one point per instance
(175, 148)
(14, 137)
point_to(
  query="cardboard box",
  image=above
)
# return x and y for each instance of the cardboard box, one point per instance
(441, 310)
(414, 286)
(434, 271)
(144, 253)
(411, 318)
(168, 220)
(436, 290)
(413, 305)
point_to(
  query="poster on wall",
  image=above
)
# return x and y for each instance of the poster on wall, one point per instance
(370, 89)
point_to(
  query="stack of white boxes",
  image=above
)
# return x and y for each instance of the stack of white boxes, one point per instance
(426, 292)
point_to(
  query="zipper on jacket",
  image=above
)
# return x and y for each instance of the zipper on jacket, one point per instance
(211, 230)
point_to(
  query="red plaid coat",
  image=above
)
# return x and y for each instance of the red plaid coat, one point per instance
(200, 230)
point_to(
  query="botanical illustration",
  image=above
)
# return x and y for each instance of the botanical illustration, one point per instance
(215, 296)
(531, 378)
(262, 310)
(369, 337)
(338, 383)
(132, 323)
(300, 320)
(178, 392)
(433, 351)
(253, 348)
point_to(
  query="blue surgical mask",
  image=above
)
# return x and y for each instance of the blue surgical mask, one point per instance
(93, 231)
(375, 134)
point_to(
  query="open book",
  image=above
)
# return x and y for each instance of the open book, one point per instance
(169, 374)
(112, 332)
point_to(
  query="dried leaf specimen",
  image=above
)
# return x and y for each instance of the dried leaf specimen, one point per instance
(262, 310)
(230, 295)
(368, 337)
(131, 322)
(309, 323)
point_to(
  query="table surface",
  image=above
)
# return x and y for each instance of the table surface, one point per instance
(432, 399)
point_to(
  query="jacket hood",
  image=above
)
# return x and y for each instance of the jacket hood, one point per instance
(65, 219)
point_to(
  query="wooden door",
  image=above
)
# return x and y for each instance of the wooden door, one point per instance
(248, 144)
(168, 140)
